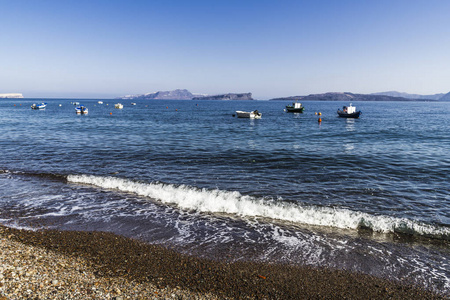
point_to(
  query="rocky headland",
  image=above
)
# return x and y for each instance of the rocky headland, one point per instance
(11, 95)
(229, 96)
(186, 95)
(168, 95)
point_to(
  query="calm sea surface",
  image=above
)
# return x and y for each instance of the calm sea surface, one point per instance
(370, 195)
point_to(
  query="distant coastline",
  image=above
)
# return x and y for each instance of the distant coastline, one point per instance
(11, 95)
(229, 96)
(183, 94)
(333, 96)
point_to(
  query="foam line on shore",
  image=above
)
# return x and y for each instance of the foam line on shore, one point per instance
(232, 202)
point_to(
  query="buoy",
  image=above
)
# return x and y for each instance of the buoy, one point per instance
(176, 109)
(320, 113)
(320, 120)
(14, 105)
(110, 113)
(315, 113)
(167, 107)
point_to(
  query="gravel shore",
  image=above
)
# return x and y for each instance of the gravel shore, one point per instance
(52, 264)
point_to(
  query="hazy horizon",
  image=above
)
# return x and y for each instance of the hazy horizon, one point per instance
(108, 49)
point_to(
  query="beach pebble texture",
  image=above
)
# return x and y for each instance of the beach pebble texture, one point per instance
(52, 264)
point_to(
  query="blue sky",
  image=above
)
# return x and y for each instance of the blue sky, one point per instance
(110, 48)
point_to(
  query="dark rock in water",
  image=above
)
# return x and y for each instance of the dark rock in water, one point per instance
(229, 96)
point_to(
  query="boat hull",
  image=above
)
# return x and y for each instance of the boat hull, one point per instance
(354, 115)
(81, 110)
(248, 115)
(39, 106)
(295, 110)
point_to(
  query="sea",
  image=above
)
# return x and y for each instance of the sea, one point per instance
(368, 195)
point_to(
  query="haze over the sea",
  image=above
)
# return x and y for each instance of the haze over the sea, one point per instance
(107, 49)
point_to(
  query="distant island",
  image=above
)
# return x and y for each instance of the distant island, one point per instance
(230, 96)
(385, 96)
(413, 96)
(186, 95)
(172, 95)
(11, 95)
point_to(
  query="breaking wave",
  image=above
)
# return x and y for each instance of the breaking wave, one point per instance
(232, 202)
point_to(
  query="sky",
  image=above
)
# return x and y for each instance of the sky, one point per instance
(111, 48)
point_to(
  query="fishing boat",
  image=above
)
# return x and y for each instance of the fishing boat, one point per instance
(132, 103)
(296, 107)
(118, 105)
(39, 106)
(252, 114)
(349, 112)
(81, 110)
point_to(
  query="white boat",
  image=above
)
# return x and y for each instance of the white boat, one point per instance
(132, 103)
(39, 106)
(76, 103)
(118, 105)
(81, 110)
(252, 114)
(100, 102)
(349, 112)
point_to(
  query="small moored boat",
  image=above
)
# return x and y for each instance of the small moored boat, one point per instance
(39, 106)
(349, 112)
(296, 107)
(100, 102)
(252, 114)
(81, 110)
(118, 105)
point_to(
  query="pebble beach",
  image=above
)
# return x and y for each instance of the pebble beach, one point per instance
(50, 264)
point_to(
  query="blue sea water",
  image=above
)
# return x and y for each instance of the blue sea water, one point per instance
(370, 195)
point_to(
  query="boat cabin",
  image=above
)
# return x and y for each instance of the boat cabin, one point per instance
(297, 105)
(349, 109)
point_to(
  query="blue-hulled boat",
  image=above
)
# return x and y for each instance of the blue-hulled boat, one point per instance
(81, 110)
(39, 106)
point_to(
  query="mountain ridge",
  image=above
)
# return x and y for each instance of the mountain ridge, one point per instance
(411, 96)
(347, 96)
(183, 94)
(229, 96)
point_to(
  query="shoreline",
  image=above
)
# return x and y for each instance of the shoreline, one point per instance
(99, 265)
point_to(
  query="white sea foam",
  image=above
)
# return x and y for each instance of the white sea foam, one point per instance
(217, 201)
